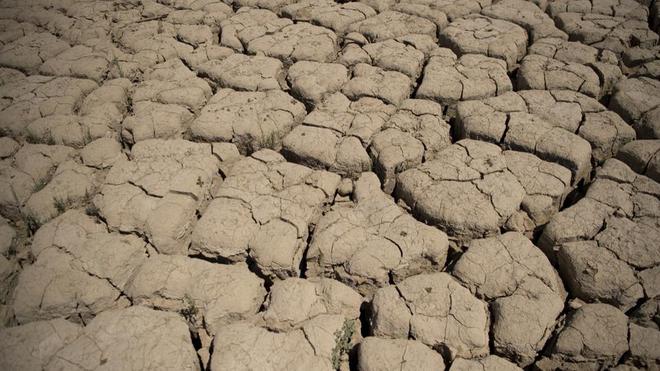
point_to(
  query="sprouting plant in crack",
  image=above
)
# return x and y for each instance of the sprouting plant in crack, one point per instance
(31, 223)
(343, 338)
(12, 250)
(39, 185)
(90, 207)
(189, 310)
(62, 204)
(92, 210)
(269, 141)
(87, 138)
(36, 139)
(48, 139)
(32, 138)
(129, 104)
(114, 63)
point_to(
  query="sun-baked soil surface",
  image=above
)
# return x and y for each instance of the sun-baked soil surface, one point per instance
(370, 185)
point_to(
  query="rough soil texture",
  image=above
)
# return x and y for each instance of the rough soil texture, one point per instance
(369, 185)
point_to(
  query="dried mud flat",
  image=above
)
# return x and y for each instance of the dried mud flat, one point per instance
(329, 185)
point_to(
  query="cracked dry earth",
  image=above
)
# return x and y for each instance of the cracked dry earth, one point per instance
(365, 185)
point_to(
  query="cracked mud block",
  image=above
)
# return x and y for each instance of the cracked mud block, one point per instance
(69, 24)
(8, 147)
(477, 34)
(172, 82)
(450, 9)
(40, 96)
(473, 189)
(425, 43)
(438, 18)
(643, 156)
(71, 186)
(376, 353)
(334, 135)
(196, 59)
(293, 301)
(368, 81)
(415, 133)
(327, 13)
(38, 161)
(525, 14)
(646, 314)
(80, 270)
(102, 153)
(436, 310)
(29, 52)
(243, 72)
(11, 30)
(604, 130)
(595, 336)
(151, 42)
(525, 292)
(250, 120)
(159, 190)
(607, 237)
(583, 263)
(373, 241)
(650, 280)
(556, 64)
(605, 32)
(95, 115)
(629, 9)
(99, 115)
(28, 172)
(7, 236)
(405, 54)
(264, 209)
(391, 24)
(32, 346)
(300, 329)
(150, 120)
(448, 79)
(69, 130)
(639, 62)
(214, 294)
(196, 35)
(10, 241)
(297, 42)
(121, 339)
(391, 55)
(78, 61)
(637, 100)
(310, 346)
(312, 82)
(9, 75)
(644, 342)
(488, 363)
(248, 24)
(505, 120)
(108, 103)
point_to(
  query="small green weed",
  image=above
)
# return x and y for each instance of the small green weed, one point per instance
(343, 338)
(31, 223)
(190, 310)
(61, 204)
